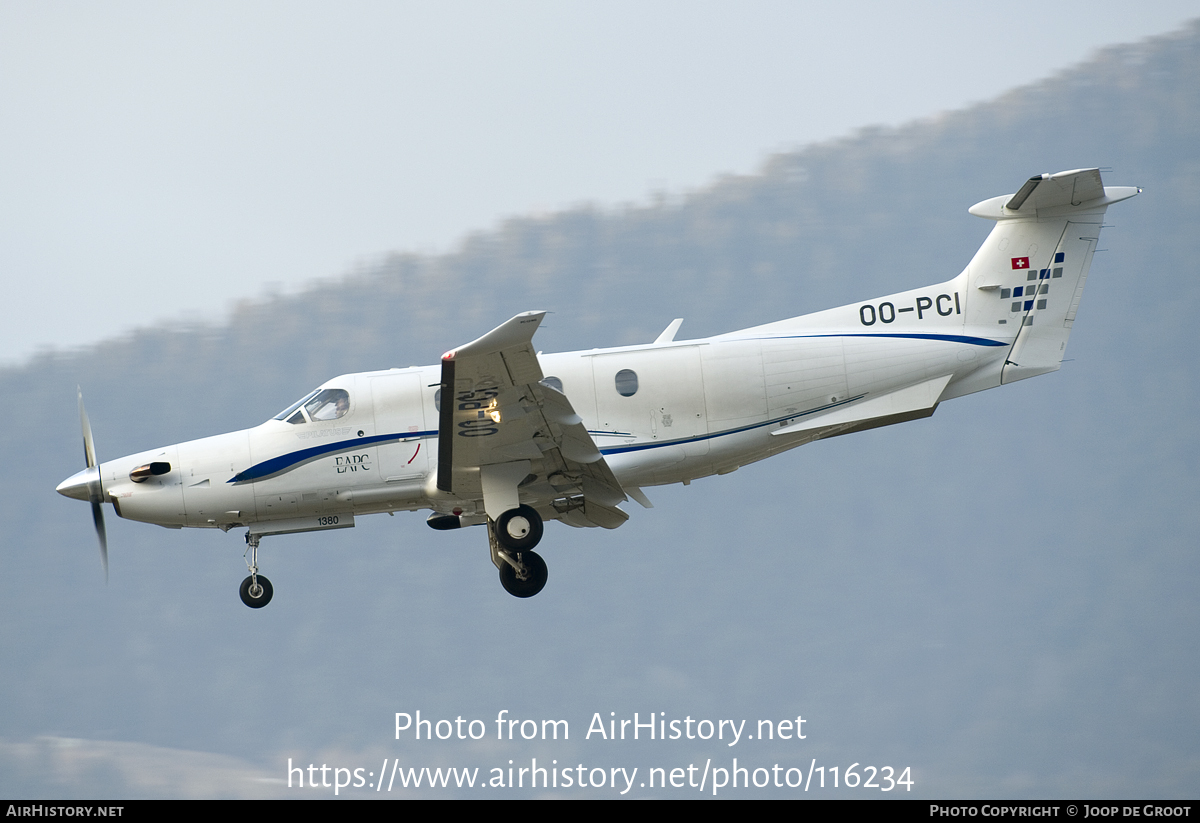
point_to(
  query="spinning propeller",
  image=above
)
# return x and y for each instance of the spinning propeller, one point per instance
(88, 485)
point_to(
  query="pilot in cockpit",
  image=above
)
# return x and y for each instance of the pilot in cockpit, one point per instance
(329, 405)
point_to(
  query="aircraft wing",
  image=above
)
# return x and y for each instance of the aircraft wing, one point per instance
(502, 434)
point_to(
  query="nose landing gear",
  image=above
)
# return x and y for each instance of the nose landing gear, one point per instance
(256, 589)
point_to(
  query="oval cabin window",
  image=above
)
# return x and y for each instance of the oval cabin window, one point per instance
(627, 383)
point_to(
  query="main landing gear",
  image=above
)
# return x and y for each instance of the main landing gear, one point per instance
(512, 537)
(523, 575)
(256, 589)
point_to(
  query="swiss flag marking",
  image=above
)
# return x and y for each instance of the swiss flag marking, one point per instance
(1020, 262)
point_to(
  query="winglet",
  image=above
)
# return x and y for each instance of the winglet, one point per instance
(511, 333)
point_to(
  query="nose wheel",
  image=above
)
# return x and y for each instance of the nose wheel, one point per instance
(256, 589)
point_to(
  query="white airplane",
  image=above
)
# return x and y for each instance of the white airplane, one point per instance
(501, 436)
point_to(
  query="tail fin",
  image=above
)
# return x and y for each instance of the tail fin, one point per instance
(1031, 270)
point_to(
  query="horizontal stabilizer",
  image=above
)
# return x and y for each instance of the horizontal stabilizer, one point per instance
(1050, 195)
(904, 404)
(1066, 187)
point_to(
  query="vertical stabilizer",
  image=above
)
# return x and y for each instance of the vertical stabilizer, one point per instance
(1030, 272)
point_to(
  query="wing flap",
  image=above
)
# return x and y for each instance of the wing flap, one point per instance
(606, 517)
(595, 488)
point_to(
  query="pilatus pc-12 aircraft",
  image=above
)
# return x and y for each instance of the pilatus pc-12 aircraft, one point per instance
(500, 436)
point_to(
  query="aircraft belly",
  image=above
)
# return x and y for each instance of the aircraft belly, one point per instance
(274, 506)
(647, 466)
(732, 451)
(672, 464)
(359, 499)
(211, 501)
(320, 486)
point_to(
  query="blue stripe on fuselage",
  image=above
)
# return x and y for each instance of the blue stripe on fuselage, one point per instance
(278, 465)
(948, 338)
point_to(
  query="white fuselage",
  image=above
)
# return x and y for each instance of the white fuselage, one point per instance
(694, 408)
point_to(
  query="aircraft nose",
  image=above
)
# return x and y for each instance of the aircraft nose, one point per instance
(76, 485)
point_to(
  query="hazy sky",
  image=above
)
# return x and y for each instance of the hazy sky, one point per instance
(162, 160)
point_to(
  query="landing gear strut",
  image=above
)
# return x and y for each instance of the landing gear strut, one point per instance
(512, 537)
(256, 589)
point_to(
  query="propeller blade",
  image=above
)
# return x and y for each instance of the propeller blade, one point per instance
(89, 448)
(96, 487)
(98, 519)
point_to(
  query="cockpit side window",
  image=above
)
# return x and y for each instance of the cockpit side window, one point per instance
(329, 404)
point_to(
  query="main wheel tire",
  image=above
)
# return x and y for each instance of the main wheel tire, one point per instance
(260, 598)
(519, 529)
(535, 575)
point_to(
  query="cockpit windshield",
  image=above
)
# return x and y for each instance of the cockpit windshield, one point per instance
(283, 415)
(323, 404)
